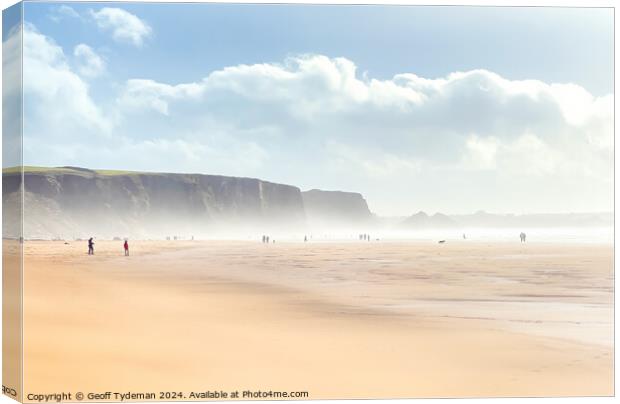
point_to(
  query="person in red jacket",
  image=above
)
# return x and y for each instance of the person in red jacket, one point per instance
(126, 246)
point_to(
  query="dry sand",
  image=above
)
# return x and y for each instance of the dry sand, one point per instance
(11, 318)
(338, 320)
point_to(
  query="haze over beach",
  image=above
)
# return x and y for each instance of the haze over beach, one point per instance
(78, 203)
(396, 202)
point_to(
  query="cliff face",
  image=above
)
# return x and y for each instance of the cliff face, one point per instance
(336, 208)
(482, 219)
(423, 221)
(72, 202)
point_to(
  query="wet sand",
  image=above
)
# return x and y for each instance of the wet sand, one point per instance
(338, 320)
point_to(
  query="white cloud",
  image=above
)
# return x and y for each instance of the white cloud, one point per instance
(481, 153)
(140, 94)
(320, 95)
(125, 27)
(57, 103)
(472, 139)
(89, 63)
(63, 11)
(11, 61)
(65, 125)
(11, 96)
(467, 125)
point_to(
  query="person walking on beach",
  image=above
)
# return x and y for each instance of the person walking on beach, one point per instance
(126, 247)
(91, 246)
(522, 237)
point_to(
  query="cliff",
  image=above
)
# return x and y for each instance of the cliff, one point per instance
(75, 202)
(483, 219)
(423, 221)
(336, 208)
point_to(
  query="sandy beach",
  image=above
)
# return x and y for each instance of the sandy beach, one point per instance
(335, 319)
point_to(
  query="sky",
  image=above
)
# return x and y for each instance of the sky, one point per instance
(450, 109)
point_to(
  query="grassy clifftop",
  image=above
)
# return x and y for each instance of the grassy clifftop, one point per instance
(65, 170)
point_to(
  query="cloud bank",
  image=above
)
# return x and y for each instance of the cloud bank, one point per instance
(467, 141)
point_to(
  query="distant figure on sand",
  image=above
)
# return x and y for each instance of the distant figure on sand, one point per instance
(522, 237)
(305, 239)
(91, 246)
(464, 238)
(126, 247)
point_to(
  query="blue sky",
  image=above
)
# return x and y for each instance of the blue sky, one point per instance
(427, 103)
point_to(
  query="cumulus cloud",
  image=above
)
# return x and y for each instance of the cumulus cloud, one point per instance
(473, 138)
(140, 94)
(11, 96)
(124, 26)
(89, 63)
(320, 112)
(57, 103)
(11, 61)
(314, 93)
(64, 125)
(63, 11)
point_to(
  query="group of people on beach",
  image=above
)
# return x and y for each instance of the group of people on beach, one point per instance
(266, 240)
(91, 247)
